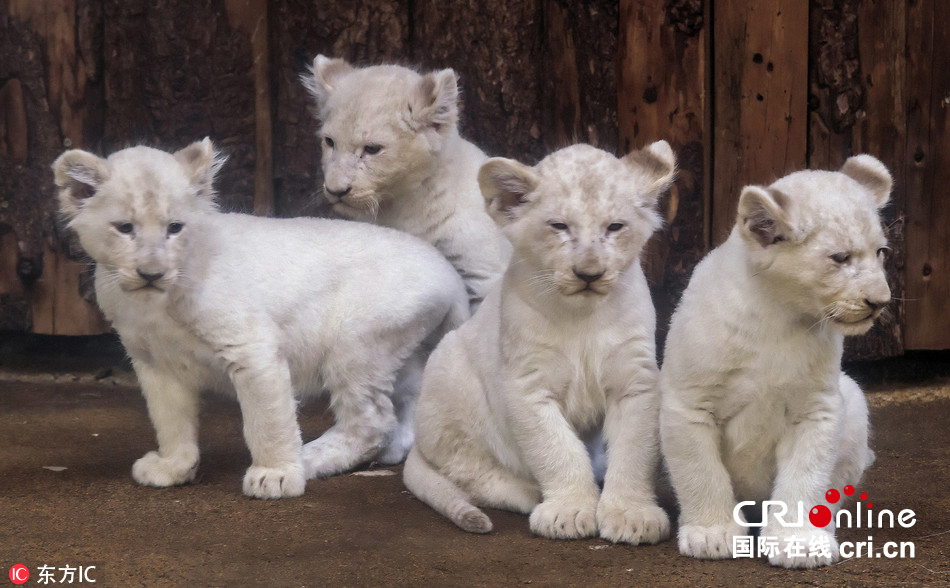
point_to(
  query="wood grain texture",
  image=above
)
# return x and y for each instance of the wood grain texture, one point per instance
(760, 86)
(299, 30)
(745, 92)
(175, 73)
(578, 98)
(856, 80)
(881, 130)
(250, 16)
(927, 165)
(44, 58)
(497, 51)
(663, 56)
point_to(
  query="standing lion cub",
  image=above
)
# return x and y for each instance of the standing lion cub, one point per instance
(563, 349)
(755, 406)
(265, 309)
(392, 155)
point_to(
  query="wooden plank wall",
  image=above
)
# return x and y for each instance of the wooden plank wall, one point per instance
(745, 92)
(927, 173)
(664, 92)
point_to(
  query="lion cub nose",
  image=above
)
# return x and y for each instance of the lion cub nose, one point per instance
(150, 277)
(338, 193)
(589, 278)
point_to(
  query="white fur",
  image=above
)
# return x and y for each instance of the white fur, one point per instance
(266, 309)
(422, 180)
(754, 403)
(508, 399)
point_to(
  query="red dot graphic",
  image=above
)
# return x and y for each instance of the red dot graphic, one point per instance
(849, 489)
(832, 496)
(19, 574)
(819, 515)
(864, 496)
(870, 505)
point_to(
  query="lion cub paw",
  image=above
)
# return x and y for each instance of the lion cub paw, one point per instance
(154, 470)
(634, 525)
(712, 542)
(284, 482)
(565, 519)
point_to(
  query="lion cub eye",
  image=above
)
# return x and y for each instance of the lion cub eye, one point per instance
(841, 257)
(882, 251)
(175, 228)
(614, 227)
(328, 141)
(124, 228)
(372, 149)
(558, 226)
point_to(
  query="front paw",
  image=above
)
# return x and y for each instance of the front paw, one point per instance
(565, 519)
(154, 470)
(282, 482)
(807, 549)
(634, 524)
(709, 542)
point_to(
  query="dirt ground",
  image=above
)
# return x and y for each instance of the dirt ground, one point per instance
(67, 499)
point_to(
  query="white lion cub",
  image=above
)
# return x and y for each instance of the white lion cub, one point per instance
(392, 155)
(562, 349)
(754, 403)
(266, 309)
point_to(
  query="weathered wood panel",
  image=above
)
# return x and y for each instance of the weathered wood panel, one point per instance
(760, 87)
(927, 165)
(535, 76)
(664, 52)
(46, 89)
(14, 303)
(497, 54)
(250, 16)
(175, 73)
(856, 79)
(578, 97)
(881, 131)
(362, 33)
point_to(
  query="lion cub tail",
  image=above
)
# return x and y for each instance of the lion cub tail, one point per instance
(442, 494)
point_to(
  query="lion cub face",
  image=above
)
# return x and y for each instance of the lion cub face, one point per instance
(381, 129)
(580, 218)
(815, 237)
(134, 211)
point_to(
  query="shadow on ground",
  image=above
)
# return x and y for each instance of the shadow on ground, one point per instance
(367, 529)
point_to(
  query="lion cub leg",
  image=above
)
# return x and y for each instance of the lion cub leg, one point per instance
(365, 422)
(691, 441)
(805, 460)
(173, 409)
(405, 394)
(627, 511)
(269, 409)
(558, 460)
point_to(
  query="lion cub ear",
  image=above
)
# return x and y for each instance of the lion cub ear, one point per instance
(764, 215)
(201, 164)
(322, 77)
(78, 174)
(658, 163)
(507, 186)
(872, 174)
(434, 102)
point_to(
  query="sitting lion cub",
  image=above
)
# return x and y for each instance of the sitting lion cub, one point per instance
(266, 309)
(392, 155)
(754, 403)
(562, 349)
